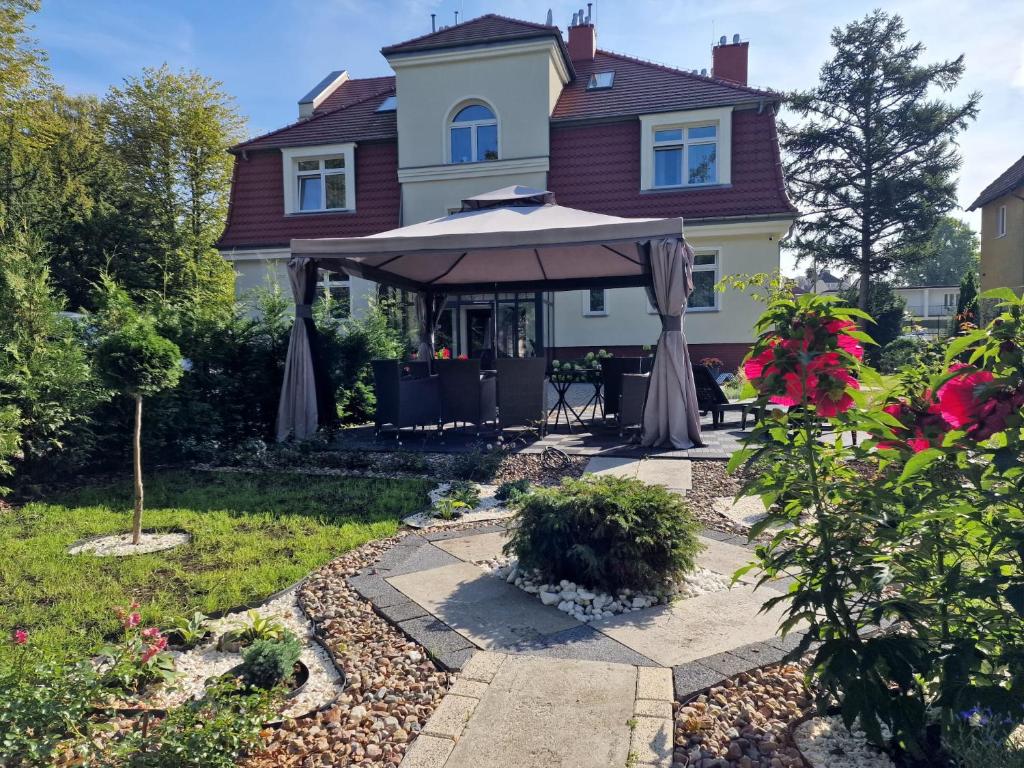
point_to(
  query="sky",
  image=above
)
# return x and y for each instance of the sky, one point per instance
(268, 53)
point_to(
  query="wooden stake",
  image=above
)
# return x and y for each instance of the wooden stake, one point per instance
(137, 445)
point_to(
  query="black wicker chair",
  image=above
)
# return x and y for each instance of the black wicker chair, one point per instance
(521, 392)
(468, 394)
(612, 370)
(407, 401)
(710, 397)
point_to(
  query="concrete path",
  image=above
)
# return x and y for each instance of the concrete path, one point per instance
(524, 712)
(674, 474)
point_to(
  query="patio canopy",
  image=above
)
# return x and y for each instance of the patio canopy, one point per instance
(512, 239)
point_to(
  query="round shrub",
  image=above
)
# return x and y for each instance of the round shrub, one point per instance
(605, 532)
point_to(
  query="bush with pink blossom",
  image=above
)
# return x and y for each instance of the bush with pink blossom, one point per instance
(897, 505)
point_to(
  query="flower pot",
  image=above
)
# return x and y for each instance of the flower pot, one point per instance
(176, 642)
(230, 643)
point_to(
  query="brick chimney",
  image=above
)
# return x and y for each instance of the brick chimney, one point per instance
(729, 60)
(582, 37)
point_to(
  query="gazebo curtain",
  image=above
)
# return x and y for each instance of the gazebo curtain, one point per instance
(670, 412)
(307, 400)
(429, 307)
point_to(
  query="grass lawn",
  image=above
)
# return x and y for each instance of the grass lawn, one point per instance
(253, 534)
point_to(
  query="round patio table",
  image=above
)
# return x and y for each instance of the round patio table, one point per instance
(562, 381)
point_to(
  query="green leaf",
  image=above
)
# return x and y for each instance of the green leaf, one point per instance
(1003, 293)
(918, 462)
(960, 343)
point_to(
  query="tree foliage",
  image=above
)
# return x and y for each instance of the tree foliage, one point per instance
(950, 253)
(887, 308)
(871, 158)
(967, 303)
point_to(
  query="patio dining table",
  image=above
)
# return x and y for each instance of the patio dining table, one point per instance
(562, 381)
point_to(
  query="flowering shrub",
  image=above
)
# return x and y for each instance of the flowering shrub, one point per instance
(443, 354)
(921, 525)
(140, 658)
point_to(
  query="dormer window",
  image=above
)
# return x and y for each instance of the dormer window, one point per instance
(473, 135)
(600, 80)
(686, 155)
(318, 179)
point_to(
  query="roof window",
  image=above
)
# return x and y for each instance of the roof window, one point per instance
(600, 80)
(390, 104)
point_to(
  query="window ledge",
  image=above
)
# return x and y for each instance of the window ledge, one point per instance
(329, 212)
(701, 309)
(595, 314)
(687, 188)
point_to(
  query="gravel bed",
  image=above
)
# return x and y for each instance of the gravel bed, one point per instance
(745, 722)
(586, 604)
(121, 545)
(393, 687)
(540, 468)
(711, 481)
(197, 665)
(488, 509)
(827, 743)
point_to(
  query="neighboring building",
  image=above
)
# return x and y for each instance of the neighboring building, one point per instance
(929, 311)
(1002, 230)
(493, 102)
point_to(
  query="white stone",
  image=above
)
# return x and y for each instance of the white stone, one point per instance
(549, 598)
(582, 594)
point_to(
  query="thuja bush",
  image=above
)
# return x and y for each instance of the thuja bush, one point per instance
(605, 532)
(917, 531)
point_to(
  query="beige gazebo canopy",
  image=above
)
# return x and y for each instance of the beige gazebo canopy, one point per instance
(512, 239)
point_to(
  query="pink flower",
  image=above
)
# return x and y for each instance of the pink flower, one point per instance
(133, 619)
(153, 649)
(151, 632)
(19, 637)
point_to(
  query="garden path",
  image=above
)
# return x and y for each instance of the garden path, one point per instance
(553, 689)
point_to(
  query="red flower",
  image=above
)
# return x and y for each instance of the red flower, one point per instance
(463, 357)
(133, 620)
(921, 424)
(150, 632)
(970, 401)
(19, 637)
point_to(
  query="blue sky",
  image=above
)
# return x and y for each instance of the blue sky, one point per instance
(268, 53)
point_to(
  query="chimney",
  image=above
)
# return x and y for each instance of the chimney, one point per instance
(582, 37)
(729, 60)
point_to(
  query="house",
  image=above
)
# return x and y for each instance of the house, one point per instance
(496, 101)
(1002, 230)
(929, 308)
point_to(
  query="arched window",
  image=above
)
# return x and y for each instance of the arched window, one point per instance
(473, 135)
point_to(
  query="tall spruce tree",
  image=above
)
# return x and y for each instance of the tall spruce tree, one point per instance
(871, 159)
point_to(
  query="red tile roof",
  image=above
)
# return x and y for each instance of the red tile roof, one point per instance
(578, 151)
(356, 89)
(1008, 181)
(351, 121)
(256, 217)
(642, 87)
(490, 28)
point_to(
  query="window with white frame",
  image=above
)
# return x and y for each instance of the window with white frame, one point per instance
(687, 149)
(705, 277)
(319, 179)
(473, 135)
(686, 155)
(594, 302)
(1001, 221)
(334, 289)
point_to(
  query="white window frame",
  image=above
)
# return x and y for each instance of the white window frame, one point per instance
(291, 156)
(587, 310)
(684, 144)
(713, 268)
(450, 125)
(328, 280)
(1001, 221)
(720, 117)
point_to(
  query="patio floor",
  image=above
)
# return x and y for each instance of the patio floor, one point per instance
(597, 438)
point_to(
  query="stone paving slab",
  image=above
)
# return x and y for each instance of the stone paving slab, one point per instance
(691, 629)
(483, 609)
(674, 474)
(421, 558)
(748, 510)
(428, 752)
(725, 558)
(475, 548)
(651, 741)
(581, 642)
(551, 713)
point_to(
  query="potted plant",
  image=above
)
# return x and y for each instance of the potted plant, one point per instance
(269, 664)
(186, 633)
(259, 628)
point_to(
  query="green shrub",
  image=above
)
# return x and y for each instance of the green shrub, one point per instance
(901, 352)
(259, 628)
(464, 491)
(605, 532)
(44, 709)
(480, 466)
(268, 663)
(212, 732)
(512, 490)
(449, 509)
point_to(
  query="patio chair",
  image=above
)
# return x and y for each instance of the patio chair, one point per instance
(403, 401)
(468, 394)
(521, 393)
(612, 371)
(631, 400)
(710, 397)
